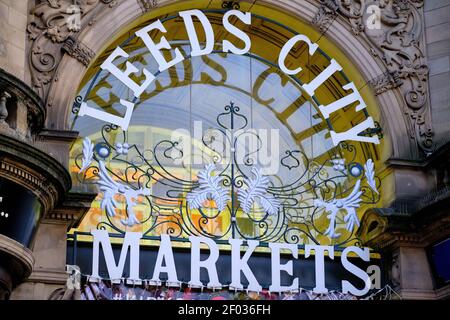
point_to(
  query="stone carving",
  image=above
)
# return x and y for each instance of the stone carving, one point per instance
(78, 51)
(3, 110)
(385, 82)
(395, 270)
(147, 5)
(328, 11)
(52, 34)
(395, 31)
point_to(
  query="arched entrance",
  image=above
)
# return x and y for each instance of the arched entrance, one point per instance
(228, 146)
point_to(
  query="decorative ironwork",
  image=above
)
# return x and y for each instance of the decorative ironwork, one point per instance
(231, 5)
(77, 104)
(230, 197)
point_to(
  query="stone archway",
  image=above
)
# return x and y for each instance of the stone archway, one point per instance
(68, 50)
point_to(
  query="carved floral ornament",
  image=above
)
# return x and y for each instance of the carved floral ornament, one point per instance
(394, 29)
(52, 34)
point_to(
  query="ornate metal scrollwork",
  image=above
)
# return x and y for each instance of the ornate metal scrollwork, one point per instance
(231, 197)
(231, 5)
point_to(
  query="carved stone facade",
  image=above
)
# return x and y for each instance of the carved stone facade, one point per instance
(52, 33)
(396, 31)
(147, 5)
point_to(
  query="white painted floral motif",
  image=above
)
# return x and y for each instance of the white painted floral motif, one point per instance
(369, 169)
(339, 165)
(88, 154)
(209, 189)
(257, 191)
(111, 188)
(349, 204)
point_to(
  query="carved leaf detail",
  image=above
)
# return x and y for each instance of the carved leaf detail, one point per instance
(209, 189)
(369, 169)
(88, 154)
(257, 190)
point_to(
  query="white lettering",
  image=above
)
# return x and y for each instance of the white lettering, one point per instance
(209, 264)
(192, 34)
(277, 267)
(239, 264)
(155, 48)
(353, 134)
(124, 76)
(347, 287)
(320, 264)
(165, 254)
(131, 241)
(245, 18)
(288, 47)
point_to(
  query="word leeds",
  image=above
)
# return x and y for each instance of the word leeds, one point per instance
(206, 47)
(165, 263)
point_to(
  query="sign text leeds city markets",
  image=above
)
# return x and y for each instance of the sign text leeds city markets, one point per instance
(281, 264)
(353, 134)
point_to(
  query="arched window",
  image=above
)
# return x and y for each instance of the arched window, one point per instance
(226, 145)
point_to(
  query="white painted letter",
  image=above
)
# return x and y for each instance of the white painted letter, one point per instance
(277, 267)
(193, 38)
(311, 87)
(319, 252)
(165, 253)
(355, 96)
(374, 272)
(347, 287)
(115, 272)
(239, 264)
(209, 264)
(123, 76)
(124, 122)
(353, 133)
(155, 48)
(245, 18)
(288, 47)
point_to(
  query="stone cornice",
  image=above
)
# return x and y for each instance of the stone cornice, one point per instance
(20, 254)
(72, 211)
(35, 170)
(422, 237)
(59, 135)
(440, 157)
(45, 275)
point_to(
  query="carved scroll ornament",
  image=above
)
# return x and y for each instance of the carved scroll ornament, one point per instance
(395, 31)
(52, 34)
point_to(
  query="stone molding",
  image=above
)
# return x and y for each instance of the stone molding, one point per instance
(48, 276)
(20, 253)
(35, 170)
(388, 237)
(147, 5)
(399, 44)
(72, 211)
